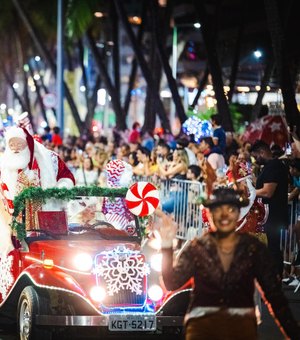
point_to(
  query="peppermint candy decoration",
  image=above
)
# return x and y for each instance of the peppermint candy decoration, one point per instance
(142, 198)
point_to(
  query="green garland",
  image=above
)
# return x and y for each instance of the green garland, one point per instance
(38, 194)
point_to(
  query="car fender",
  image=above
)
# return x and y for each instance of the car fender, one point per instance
(52, 278)
(49, 279)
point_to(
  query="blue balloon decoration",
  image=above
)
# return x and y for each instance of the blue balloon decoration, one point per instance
(197, 127)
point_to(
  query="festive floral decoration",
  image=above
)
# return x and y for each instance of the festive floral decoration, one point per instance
(255, 219)
(238, 171)
(142, 198)
(38, 194)
(6, 277)
(121, 269)
(197, 127)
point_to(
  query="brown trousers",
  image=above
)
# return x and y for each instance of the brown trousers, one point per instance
(222, 326)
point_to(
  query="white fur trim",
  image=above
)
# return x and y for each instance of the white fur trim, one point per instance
(45, 163)
(5, 233)
(252, 194)
(65, 183)
(15, 132)
(244, 178)
(10, 178)
(30, 174)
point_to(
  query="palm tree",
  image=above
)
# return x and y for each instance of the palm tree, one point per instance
(143, 64)
(282, 61)
(34, 33)
(213, 62)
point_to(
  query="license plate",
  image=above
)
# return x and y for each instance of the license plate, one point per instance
(132, 322)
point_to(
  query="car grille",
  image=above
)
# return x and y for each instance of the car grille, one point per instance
(123, 274)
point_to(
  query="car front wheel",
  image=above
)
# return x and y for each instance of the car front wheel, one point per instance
(31, 304)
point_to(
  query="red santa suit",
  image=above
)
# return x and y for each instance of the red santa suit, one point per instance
(41, 168)
(30, 166)
(33, 165)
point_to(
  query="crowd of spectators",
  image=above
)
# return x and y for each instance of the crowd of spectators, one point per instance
(163, 157)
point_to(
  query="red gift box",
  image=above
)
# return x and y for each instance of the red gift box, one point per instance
(53, 221)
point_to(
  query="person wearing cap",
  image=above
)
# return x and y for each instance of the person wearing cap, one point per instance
(224, 265)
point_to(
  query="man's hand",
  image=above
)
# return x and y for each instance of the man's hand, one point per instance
(167, 229)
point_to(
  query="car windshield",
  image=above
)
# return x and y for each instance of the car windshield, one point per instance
(85, 215)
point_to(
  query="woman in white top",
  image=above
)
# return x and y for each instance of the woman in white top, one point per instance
(86, 174)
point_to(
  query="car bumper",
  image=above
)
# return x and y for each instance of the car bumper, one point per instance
(97, 320)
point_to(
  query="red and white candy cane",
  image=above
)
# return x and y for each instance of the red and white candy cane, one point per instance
(142, 198)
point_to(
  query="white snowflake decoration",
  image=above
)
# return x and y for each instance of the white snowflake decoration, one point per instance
(6, 277)
(122, 269)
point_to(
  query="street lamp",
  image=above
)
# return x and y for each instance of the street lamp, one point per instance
(257, 54)
(60, 68)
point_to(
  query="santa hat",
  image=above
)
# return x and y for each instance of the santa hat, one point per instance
(42, 155)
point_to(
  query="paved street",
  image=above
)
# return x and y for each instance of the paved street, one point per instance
(267, 330)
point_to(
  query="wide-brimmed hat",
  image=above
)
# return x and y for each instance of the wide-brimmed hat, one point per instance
(226, 195)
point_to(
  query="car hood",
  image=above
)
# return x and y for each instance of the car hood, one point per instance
(63, 251)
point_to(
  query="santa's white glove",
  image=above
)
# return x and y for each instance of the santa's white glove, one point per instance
(167, 229)
(65, 183)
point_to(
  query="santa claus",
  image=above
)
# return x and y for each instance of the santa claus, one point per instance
(27, 163)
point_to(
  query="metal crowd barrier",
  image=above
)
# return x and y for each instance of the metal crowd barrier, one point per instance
(188, 216)
(186, 211)
(288, 237)
(179, 198)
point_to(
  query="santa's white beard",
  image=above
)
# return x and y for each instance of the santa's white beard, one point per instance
(10, 164)
(15, 161)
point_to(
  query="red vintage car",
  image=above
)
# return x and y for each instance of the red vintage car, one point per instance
(73, 265)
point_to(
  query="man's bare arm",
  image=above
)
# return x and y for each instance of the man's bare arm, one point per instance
(267, 190)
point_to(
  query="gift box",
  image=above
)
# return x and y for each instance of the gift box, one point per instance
(53, 221)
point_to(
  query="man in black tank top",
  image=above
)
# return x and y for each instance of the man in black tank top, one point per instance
(272, 186)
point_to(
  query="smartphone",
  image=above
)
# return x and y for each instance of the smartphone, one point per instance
(288, 149)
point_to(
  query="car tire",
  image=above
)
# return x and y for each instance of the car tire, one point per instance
(31, 304)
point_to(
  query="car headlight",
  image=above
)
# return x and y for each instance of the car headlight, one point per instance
(97, 293)
(83, 262)
(155, 293)
(156, 262)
